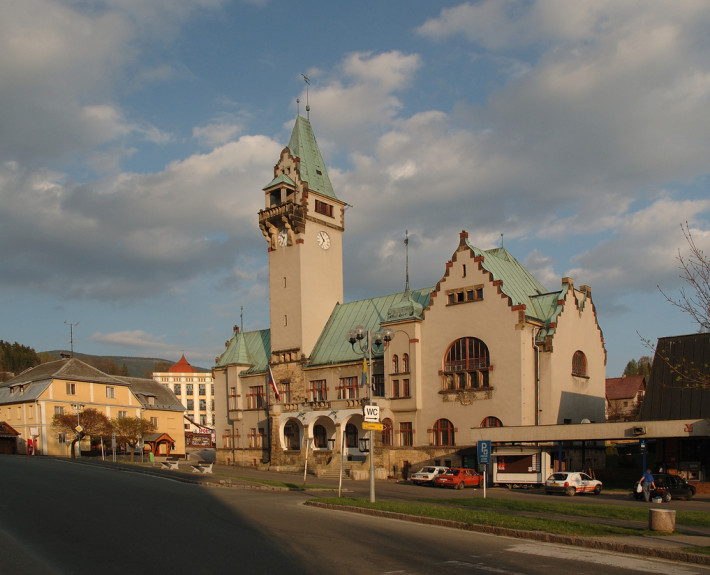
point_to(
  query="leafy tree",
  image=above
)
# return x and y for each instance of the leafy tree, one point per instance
(93, 423)
(129, 431)
(640, 367)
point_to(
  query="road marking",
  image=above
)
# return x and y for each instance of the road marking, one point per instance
(601, 558)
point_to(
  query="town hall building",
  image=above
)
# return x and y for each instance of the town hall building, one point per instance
(487, 346)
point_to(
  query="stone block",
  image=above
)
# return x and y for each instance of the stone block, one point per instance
(662, 520)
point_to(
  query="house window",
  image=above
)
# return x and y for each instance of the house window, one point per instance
(323, 208)
(349, 388)
(405, 388)
(177, 388)
(203, 405)
(188, 389)
(466, 365)
(154, 422)
(405, 363)
(255, 398)
(230, 439)
(203, 419)
(395, 388)
(387, 432)
(318, 391)
(491, 422)
(395, 364)
(378, 385)
(319, 437)
(443, 432)
(190, 404)
(201, 389)
(232, 398)
(351, 435)
(406, 434)
(285, 392)
(256, 437)
(61, 437)
(579, 364)
(212, 389)
(71, 388)
(58, 410)
(122, 414)
(110, 392)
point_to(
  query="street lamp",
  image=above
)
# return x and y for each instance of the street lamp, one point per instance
(77, 407)
(367, 341)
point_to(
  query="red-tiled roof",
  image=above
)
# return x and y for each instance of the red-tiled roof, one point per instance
(182, 366)
(624, 387)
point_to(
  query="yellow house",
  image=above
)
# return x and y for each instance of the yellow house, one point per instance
(29, 401)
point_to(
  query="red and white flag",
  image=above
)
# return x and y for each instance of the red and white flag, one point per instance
(272, 383)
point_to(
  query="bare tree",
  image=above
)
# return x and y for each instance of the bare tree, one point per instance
(694, 297)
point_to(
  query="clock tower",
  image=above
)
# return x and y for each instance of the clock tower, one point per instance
(303, 223)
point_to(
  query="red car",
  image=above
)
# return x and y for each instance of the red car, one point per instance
(459, 478)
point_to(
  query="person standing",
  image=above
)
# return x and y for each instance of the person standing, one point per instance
(647, 483)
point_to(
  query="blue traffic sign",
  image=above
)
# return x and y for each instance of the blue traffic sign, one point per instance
(484, 451)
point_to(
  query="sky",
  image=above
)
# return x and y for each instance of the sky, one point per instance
(136, 137)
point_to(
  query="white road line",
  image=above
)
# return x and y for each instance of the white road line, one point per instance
(605, 558)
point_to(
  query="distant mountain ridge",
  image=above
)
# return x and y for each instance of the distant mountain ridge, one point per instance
(114, 364)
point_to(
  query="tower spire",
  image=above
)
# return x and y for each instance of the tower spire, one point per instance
(308, 106)
(406, 251)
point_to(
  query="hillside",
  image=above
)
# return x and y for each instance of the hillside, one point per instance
(114, 364)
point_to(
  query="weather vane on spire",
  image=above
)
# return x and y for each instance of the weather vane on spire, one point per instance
(308, 107)
(406, 250)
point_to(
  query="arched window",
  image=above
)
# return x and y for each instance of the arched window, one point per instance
(579, 364)
(466, 364)
(387, 432)
(350, 435)
(320, 437)
(292, 435)
(395, 364)
(491, 422)
(405, 363)
(444, 432)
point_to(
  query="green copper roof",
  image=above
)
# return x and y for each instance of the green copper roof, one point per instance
(333, 346)
(303, 145)
(250, 349)
(280, 179)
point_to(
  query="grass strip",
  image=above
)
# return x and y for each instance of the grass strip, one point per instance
(619, 512)
(698, 550)
(478, 517)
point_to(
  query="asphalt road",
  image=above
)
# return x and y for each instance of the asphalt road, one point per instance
(57, 517)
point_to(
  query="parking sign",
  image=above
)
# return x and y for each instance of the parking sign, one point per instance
(484, 451)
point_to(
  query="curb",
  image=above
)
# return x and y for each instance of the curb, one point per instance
(589, 543)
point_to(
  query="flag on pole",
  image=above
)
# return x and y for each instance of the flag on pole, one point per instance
(272, 383)
(363, 381)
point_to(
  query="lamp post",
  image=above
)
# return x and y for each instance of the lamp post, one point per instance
(366, 341)
(77, 407)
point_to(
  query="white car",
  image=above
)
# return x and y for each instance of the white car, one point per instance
(427, 474)
(571, 483)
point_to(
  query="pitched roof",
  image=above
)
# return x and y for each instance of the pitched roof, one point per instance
(72, 368)
(624, 387)
(679, 385)
(250, 349)
(163, 397)
(182, 366)
(311, 167)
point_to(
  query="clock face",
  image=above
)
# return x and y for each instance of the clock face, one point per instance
(323, 240)
(283, 237)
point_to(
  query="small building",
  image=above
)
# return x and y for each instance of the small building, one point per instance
(8, 439)
(29, 401)
(624, 396)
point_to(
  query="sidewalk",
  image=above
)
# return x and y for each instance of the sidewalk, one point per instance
(674, 547)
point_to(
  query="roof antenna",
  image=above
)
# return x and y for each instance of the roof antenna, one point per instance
(406, 250)
(71, 335)
(298, 102)
(308, 106)
(501, 241)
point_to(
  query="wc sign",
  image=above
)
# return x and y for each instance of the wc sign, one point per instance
(371, 413)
